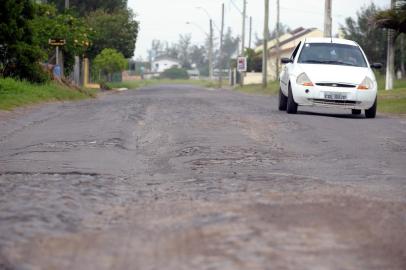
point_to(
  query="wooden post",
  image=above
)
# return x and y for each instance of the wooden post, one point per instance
(265, 47)
(327, 19)
(221, 47)
(244, 14)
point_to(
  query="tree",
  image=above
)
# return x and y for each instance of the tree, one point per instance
(108, 62)
(184, 50)
(394, 18)
(230, 47)
(199, 58)
(48, 23)
(19, 54)
(118, 30)
(254, 60)
(88, 6)
(371, 39)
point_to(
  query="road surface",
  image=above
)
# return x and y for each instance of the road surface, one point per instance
(179, 177)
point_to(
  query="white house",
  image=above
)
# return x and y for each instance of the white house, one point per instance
(162, 63)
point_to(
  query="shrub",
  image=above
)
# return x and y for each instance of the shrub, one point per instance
(175, 73)
(108, 62)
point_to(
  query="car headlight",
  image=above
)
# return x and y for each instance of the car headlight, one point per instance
(304, 80)
(366, 84)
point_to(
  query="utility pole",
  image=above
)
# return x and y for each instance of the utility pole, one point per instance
(328, 18)
(402, 54)
(265, 48)
(221, 47)
(66, 4)
(211, 50)
(390, 58)
(244, 14)
(278, 50)
(250, 37)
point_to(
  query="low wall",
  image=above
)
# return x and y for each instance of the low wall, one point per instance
(253, 78)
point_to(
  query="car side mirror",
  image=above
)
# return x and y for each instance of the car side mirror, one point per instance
(286, 60)
(376, 65)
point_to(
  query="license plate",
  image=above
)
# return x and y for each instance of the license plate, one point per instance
(335, 96)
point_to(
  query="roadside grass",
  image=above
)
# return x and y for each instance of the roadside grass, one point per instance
(15, 93)
(144, 83)
(271, 89)
(393, 101)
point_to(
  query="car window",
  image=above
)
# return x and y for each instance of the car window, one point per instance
(295, 51)
(332, 54)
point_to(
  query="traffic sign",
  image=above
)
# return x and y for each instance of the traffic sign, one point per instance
(242, 64)
(56, 42)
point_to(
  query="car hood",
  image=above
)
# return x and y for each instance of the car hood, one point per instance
(335, 73)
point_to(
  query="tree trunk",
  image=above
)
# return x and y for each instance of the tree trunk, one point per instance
(390, 58)
(402, 55)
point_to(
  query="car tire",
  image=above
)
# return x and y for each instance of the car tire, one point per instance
(371, 112)
(291, 107)
(355, 112)
(283, 101)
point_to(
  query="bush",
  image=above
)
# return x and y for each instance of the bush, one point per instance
(108, 62)
(175, 73)
(19, 53)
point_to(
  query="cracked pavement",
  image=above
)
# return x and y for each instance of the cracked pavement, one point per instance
(179, 177)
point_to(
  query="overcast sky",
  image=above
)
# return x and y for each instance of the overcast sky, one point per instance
(166, 19)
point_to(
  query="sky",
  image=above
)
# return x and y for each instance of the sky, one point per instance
(166, 19)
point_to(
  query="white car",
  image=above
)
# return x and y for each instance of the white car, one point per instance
(328, 72)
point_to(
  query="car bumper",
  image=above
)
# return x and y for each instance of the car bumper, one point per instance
(315, 96)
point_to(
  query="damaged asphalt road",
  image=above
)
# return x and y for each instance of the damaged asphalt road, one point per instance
(178, 177)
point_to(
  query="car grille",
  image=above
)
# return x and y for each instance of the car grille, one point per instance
(334, 102)
(344, 85)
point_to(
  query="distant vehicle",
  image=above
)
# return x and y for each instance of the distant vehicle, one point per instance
(328, 72)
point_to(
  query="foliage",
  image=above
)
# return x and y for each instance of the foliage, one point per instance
(88, 6)
(184, 50)
(372, 40)
(393, 18)
(199, 57)
(108, 62)
(19, 54)
(254, 61)
(15, 93)
(230, 47)
(49, 24)
(118, 30)
(175, 73)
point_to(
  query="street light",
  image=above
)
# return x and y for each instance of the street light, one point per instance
(208, 15)
(198, 26)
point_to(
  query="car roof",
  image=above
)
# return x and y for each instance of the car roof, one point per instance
(331, 40)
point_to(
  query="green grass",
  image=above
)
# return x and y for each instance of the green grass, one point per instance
(393, 101)
(14, 93)
(271, 89)
(144, 83)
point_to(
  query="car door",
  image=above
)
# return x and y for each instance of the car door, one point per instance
(285, 75)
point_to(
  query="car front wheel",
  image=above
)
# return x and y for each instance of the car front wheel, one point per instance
(291, 107)
(283, 101)
(371, 112)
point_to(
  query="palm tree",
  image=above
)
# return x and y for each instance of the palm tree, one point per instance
(393, 19)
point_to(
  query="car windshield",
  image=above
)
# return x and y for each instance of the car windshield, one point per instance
(332, 54)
